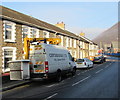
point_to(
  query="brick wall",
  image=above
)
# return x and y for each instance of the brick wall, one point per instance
(19, 44)
(1, 39)
(40, 33)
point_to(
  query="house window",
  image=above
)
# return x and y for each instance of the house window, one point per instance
(83, 45)
(9, 31)
(9, 53)
(45, 34)
(30, 32)
(34, 33)
(25, 31)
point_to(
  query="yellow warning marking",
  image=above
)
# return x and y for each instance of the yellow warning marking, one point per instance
(38, 70)
(38, 46)
(30, 62)
(31, 49)
(40, 62)
(36, 63)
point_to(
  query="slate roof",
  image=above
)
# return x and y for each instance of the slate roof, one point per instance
(18, 17)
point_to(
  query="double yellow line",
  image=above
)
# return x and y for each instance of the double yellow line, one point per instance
(20, 87)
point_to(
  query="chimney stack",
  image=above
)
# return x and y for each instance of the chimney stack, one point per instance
(82, 34)
(60, 25)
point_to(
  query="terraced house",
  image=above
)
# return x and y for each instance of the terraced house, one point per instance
(15, 26)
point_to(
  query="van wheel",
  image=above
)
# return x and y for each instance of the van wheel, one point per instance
(74, 71)
(59, 77)
(88, 66)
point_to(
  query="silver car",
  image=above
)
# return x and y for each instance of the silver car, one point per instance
(84, 63)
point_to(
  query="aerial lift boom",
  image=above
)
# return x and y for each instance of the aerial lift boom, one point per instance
(27, 42)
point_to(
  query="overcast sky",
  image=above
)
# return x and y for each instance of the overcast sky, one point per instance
(92, 18)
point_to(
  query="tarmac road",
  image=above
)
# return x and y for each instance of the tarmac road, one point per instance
(101, 81)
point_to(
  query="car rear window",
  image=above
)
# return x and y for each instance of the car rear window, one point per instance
(80, 60)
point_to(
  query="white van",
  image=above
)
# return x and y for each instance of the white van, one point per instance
(48, 60)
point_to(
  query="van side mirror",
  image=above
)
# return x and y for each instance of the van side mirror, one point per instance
(73, 59)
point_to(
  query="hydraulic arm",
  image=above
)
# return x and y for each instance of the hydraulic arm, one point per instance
(27, 42)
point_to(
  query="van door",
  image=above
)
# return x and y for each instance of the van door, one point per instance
(71, 62)
(37, 57)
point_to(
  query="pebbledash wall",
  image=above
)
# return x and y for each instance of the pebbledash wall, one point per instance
(14, 26)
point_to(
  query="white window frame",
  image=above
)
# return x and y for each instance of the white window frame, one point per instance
(13, 31)
(36, 34)
(3, 57)
(61, 40)
(28, 32)
(70, 42)
(83, 45)
(75, 43)
(67, 42)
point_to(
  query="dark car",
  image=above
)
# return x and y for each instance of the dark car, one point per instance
(99, 59)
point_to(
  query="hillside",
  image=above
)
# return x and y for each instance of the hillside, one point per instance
(108, 36)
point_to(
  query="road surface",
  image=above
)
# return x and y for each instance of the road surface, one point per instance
(101, 81)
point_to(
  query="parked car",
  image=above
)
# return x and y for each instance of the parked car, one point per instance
(91, 58)
(99, 59)
(84, 63)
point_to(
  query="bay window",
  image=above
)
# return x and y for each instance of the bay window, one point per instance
(9, 31)
(9, 53)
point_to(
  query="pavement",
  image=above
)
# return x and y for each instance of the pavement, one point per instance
(10, 84)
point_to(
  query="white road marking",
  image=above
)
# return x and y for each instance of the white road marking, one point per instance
(110, 63)
(107, 66)
(78, 74)
(73, 76)
(99, 71)
(99, 65)
(91, 68)
(51, 96)
(52, 85)
(77, 70)
(86, 71)
(83, 72)
(80, 81)
(63, 80)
